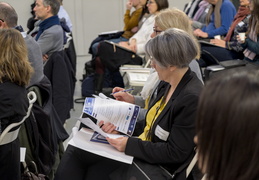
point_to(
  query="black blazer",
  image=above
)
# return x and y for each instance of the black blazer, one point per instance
(173, 131)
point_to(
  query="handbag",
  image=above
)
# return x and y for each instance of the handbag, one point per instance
(105, 36)
(140, 170)
(113, 56)
(29, 175)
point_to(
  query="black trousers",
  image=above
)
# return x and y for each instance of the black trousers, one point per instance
(10, 161)
(77, 164)
(222, 54)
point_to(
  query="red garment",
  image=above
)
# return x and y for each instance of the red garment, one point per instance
(242, 12)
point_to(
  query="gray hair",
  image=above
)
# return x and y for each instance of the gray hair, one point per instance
(54, 4)
(173, 47)
(8, 14)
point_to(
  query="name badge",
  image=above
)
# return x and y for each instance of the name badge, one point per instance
(161, 133)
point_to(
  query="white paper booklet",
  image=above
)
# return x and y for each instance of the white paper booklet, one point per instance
(82, 140)
(138, 76)
(123, 115)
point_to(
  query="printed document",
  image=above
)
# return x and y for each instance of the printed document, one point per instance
(82, 140)
(123, 115)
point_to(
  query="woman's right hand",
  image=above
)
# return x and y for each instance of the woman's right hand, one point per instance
(123, 96)
(239, 39)
(129, 5)
(108, 127)
(135, 29)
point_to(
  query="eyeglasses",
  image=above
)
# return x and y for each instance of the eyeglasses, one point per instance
(156, 31)
(150, 2)
(2, 20)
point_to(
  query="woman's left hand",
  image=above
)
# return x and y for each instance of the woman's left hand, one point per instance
(108, 127)
(118, 143)
(200, 33)
(218, 42)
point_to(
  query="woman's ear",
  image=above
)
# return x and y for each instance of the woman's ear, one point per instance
(172, 68)
(195, 139)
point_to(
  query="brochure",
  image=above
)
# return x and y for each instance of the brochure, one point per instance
(101, 108)
(82, 140)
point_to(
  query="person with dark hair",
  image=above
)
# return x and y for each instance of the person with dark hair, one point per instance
(15, 73)
(50, 33)
(251, 42)
(31, 21)
(166, 140)
(199, 18)
(62, 13)
(9, 19)
(135, 44)
(131, 20)
(227, 127)
(218, 20)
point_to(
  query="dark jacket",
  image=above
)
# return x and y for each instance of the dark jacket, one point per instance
(252, 46)
(178, 120)
(42, 131)
(13, 107)
(60, 73)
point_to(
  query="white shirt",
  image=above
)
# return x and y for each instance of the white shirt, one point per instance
(143, 34)
(63, 14)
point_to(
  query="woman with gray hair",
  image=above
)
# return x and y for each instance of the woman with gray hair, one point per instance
(166, 142)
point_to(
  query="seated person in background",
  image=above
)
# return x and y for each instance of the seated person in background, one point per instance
(15, 73)
(251, 42)
(50, 34)
(135, 44)
(219, 19)
(138, 41)
(165, 19)
(167, 139)
(10, 17)
(131, 21)
(199, 18)
(227, 127)
(229, 48)
(191, 8)
(31, 21)
(62, 13)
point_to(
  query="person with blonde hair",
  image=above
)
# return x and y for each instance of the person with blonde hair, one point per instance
(168, 18)
(15, 73)
(10, 20)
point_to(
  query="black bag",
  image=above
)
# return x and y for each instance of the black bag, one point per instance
(88, 69)
(29, 175)
(113, 56)
(140, 170)
(88, 88)
(105, 36)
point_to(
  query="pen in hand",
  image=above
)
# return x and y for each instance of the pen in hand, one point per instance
(126, 90)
